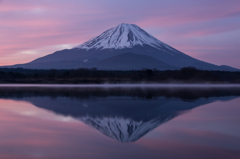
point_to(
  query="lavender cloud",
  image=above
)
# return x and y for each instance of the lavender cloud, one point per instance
(200, 28)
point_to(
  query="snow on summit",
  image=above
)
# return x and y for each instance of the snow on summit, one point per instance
(123, 36)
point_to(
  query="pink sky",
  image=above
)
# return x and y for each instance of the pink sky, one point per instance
(207, 30)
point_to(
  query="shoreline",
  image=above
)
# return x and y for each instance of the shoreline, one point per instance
(167, 85)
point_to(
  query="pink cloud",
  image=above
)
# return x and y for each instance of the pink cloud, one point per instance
(31, 25)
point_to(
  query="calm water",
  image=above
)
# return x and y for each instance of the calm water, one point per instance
(116, 122)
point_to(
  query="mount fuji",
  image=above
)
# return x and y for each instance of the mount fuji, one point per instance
(124, 47)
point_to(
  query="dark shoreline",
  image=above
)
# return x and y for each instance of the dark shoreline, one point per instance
(187, 75)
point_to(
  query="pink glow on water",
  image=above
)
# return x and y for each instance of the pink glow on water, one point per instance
(31, 132)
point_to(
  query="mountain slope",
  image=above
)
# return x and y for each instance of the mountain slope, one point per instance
(119, 62)
(119, 40)
(129, 60)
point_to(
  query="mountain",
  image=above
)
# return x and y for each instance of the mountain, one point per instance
(113, 44)
(124, 36)
(132, 61)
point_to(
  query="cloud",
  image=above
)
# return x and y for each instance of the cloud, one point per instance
(30, 25)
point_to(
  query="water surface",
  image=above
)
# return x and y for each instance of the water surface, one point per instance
(119, 122)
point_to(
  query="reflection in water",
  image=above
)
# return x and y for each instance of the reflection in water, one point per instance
(61, 123)
(120, 113)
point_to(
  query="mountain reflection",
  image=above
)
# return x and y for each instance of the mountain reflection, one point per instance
(125, 114)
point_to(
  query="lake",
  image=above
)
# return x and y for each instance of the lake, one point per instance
(120, 121)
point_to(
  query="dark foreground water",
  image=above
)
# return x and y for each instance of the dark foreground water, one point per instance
(119, 123)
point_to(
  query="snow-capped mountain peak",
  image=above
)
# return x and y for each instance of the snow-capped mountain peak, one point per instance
(123, 36)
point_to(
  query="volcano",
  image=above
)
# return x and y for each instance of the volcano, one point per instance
(124, 47)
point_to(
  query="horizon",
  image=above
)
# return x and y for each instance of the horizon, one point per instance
(41, 28)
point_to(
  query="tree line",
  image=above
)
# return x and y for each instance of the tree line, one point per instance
(87, 76)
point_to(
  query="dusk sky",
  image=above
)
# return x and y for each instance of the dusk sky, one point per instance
(208, 30)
